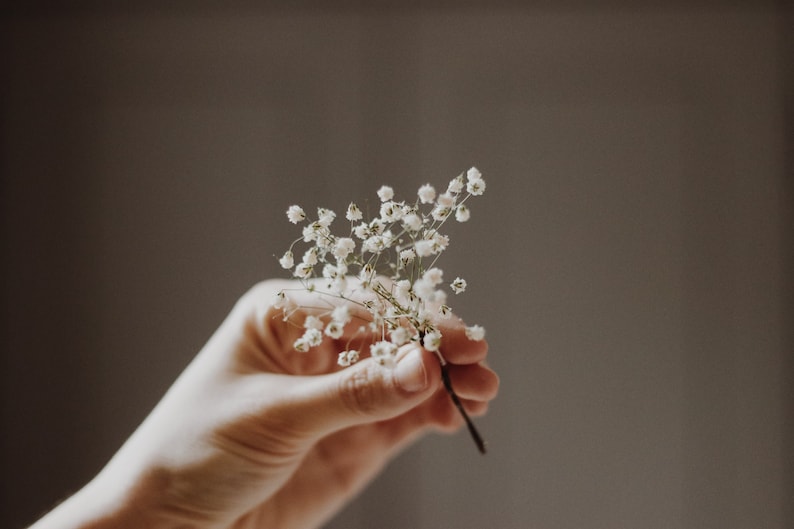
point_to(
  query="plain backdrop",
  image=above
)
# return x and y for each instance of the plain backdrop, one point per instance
(631, 259)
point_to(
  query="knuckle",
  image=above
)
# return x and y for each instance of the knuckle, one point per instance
(359, 392)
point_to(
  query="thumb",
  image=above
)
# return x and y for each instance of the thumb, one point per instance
(367, 392)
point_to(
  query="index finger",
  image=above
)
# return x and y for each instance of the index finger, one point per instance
(457, 347)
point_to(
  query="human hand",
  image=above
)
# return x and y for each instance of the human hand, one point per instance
(255, 434)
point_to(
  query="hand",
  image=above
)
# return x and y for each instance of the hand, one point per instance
(255, 434)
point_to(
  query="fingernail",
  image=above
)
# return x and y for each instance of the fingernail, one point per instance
(410, 372)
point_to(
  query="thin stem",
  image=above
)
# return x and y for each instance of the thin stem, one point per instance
(475, 434)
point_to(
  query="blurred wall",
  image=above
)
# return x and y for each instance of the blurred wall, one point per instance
(631, 259)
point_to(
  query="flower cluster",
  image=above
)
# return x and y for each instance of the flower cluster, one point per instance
(384, 266)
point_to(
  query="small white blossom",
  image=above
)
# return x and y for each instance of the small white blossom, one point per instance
(423, 248)
(475, 333)
(402, 289)
(313, 337)
(385, 193)
(312, 232)
(365, 277)
(458, 286)
(440, 213)
(303, 270)
(391, 211)
(280, 300)
(473, 174)
(341, 314)
(439, 296)
(347, 358)
(334, 330)
(432, 341)
(312, 322)
(445, 311)
(462, 213)
(476, 187)
(374, 244)
(325, 217)
(310, 257)
(424, 288)
(456, 185)
(406, 256)
(343, 247)
(295, 214)
(400, 336)
(383, 352)
(377, 226)
(353, 213)
(440, 242)
(434, 275)
(412, 222)
(330, 271)
(446, 199)
(427, 194)
(424, 320)
(362, 231)
(301, 345)
(287, 261)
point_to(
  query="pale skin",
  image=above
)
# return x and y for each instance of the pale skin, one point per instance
(256, 435)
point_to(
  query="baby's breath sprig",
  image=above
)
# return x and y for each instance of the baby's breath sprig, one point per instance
(386, 267)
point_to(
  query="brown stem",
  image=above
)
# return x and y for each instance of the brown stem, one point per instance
(475, 435)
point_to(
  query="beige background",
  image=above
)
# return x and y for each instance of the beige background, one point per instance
(631, 259)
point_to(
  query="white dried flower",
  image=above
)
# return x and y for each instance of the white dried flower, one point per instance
(341, 315)
(310, 257)
(434, 275)
(313, 337)
(313, 322)
(383, 352)
(400, 336)
(295, 214)
(391, 211)
(427, 194)
(394, 261)
(287, 261)
(424, 288)
(432, 341)
(353, 213)
(334, 330)
(385, 193)
(301, 345)
(347, 358)
(462, 213)
(440, 213)
(343, 247)
(406, 256)
(423, 248)
(475, 333)
(456, 185)
(446, 200)
(412, 222)
(280, 300)
(303, 270)
(325, 217)
(362, 231)
(476, 187)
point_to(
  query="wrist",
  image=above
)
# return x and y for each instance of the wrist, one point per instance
(111, 502)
